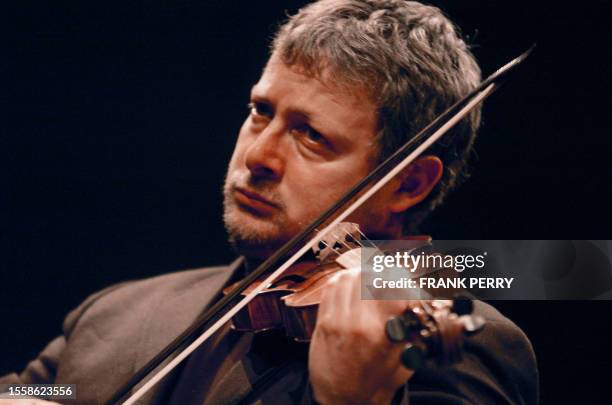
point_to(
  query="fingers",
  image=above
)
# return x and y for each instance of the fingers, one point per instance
(336, 303)
(342, 299)
(350, 343)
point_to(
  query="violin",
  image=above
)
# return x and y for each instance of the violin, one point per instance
(291, 301)
(432, 329)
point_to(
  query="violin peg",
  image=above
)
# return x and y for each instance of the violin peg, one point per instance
(462, 305)
(413, 357)
(396, 329)
(472, 324)
(400, 328)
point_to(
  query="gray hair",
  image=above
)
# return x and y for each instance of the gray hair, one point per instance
(407, 56)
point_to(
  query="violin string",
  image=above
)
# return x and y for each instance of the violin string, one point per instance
(327, 244)
(364, 237)
(357, 241)
(346, 245)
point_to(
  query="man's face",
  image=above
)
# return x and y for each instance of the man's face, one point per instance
(304, 144)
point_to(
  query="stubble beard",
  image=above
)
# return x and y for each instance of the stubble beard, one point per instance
(248, 233)
(258, 237)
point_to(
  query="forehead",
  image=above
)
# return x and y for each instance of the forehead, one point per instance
(341, 111)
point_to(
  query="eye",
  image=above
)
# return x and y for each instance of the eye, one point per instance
(310, 137)
(314, 136)
(259, 109)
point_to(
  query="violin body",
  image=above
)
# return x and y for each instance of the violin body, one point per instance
(290, 302)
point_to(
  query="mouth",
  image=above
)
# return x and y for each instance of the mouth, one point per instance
(254, 202)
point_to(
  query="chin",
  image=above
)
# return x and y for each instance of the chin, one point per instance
(257, 251)
(252, 237)
(254, 247)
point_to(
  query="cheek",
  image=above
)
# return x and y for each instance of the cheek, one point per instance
(239, 148)
(314, 189)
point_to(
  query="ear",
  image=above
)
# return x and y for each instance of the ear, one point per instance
(416, 182)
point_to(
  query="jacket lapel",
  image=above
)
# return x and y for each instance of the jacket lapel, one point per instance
(172, 315)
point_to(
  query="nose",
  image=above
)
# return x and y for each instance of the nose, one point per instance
(264, 156)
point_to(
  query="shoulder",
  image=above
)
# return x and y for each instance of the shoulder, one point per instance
(137, 295)
(117, 330)
(507, 352)
(498, 366)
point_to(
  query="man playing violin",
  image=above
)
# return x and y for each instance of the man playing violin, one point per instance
(347, 82)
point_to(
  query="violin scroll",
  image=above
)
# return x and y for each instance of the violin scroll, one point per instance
(434, 330)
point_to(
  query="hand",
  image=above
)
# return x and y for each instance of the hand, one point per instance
(351, 360)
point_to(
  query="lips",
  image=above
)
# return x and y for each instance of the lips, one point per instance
(254, 202)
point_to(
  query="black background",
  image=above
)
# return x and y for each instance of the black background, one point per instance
(121, 118)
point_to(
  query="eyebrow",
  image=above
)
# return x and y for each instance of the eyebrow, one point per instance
(306, 115)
